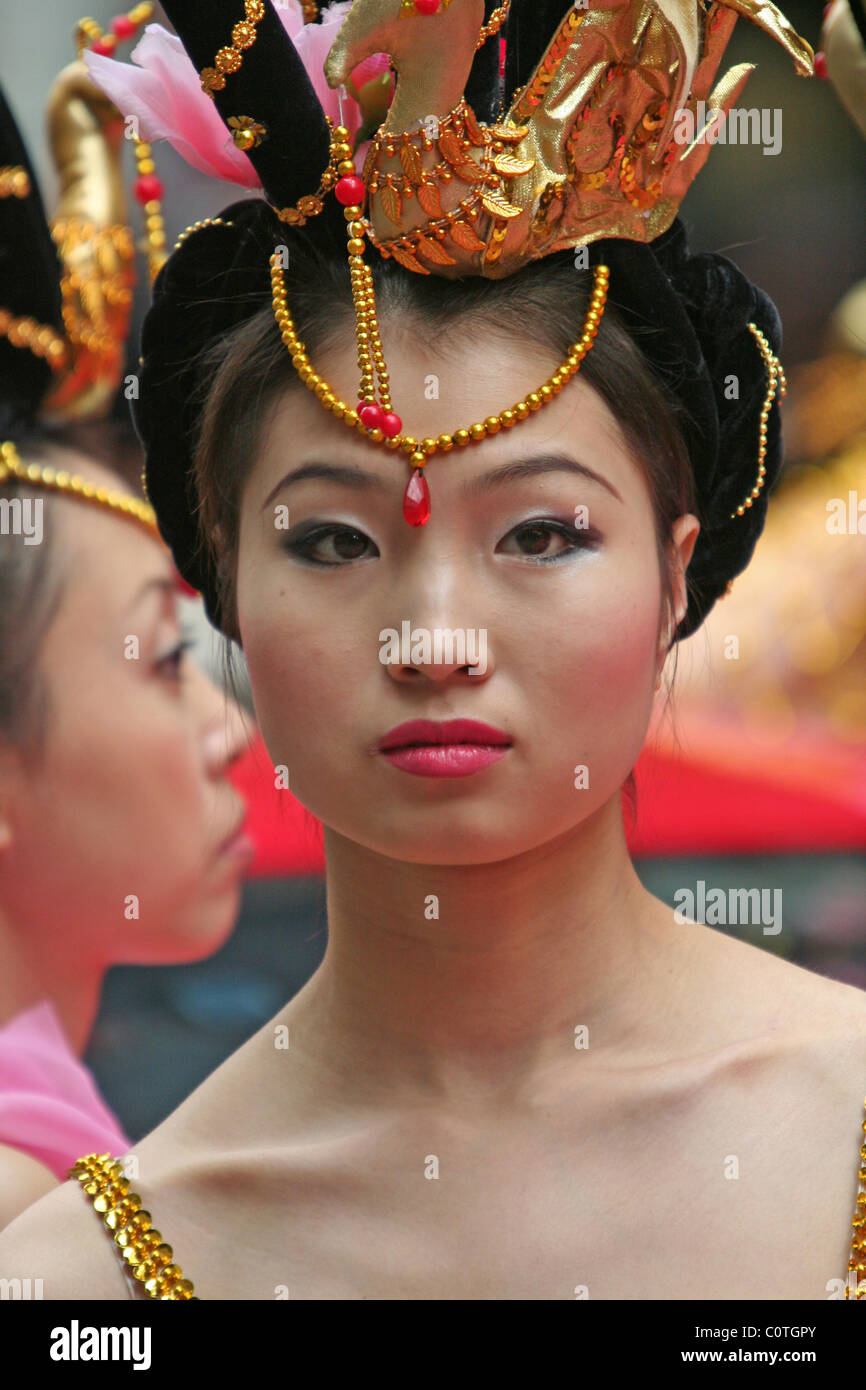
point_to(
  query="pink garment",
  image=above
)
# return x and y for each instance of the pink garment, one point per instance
(50, 1107)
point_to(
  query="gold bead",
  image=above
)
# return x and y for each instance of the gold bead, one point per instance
(409, 444)
(346, 168)
(507, 418)
(356, 229)
(521, 410)
(492, 424)
(545, 393)
(356, 247)
(477, 431)
(462, 437)
(445, 442)
(428, 445)
(418, 460)
(533, 400)
(351, 417)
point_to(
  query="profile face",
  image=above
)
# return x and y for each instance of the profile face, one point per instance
(130, 799)
(570, 613)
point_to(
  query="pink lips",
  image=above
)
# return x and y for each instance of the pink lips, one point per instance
(455, 748)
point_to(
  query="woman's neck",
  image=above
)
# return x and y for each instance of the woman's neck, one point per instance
(27, 977)
(486, 980)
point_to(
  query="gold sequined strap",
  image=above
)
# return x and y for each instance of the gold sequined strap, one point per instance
(855, 1286)
(142, 1247)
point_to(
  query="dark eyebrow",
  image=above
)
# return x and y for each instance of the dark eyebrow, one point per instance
(351, 476)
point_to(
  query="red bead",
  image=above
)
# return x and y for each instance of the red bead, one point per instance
(416, 499)
(371, 415)
(147, 188)
(123, 27)
(103, 48)
(350, 189)
(821, 67)
(391, 424)
(426, 6)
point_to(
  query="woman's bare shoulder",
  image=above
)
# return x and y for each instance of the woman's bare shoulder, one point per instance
(23, 1180)
(62, 1242)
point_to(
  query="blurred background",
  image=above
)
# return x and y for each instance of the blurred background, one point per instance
(755, 775)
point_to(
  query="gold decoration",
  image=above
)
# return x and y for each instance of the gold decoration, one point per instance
(229, 59)
(150, 1259)
(247, 133)
(775, 379)
(58, 480)
(14, 181)
(600, 116)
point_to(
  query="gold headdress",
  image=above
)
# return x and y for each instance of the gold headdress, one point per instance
(94, 258)
(610, 119)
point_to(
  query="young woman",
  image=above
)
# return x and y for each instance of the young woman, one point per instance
(516, 1074)
(116, 815)
(118, 827)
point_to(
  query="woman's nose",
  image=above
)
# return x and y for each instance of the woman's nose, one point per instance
(224, 730)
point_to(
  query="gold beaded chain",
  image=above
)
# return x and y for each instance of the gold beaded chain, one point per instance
(229, 59)
(370, 347)
(59, 480)
(14, 181)
(383, 426)
(857, 1262)
(776, 378)
(150, 1259)
(40, 338)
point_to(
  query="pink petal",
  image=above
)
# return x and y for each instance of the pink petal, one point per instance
(162, 88)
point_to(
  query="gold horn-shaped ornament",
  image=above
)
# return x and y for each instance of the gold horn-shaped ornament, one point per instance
(603, 141)
(94, 242)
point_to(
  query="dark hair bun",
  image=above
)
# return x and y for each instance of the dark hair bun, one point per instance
(690, 316)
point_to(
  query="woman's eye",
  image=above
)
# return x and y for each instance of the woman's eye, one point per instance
(535, 537)
(170, 664)
(328, 545)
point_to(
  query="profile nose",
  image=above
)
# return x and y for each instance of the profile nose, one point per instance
(224, 731)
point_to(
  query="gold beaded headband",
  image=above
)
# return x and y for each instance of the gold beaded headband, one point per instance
(59, 480)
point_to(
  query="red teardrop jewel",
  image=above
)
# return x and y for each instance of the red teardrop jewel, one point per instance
(370, 414)
(416, 499)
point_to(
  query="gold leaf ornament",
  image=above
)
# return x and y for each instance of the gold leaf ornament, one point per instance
(499, 206)
(411, 161)
(464, 236)
(392, 203)
(510, 165)
(428, 199)
(434, 251)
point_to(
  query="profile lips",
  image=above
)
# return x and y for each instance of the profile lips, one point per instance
(427, 732)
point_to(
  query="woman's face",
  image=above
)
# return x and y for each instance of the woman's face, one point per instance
(570, 617)
(115, 842)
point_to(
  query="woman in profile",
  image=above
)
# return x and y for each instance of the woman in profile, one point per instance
(118, 827)
(516, 1075)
